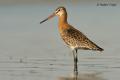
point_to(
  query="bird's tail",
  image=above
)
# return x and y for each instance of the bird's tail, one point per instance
(100, 49)
(97, 48)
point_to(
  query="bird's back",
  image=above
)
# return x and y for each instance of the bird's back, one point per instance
(76, 39)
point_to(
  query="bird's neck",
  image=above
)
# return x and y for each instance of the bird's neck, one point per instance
(62, 19)
(62, 22)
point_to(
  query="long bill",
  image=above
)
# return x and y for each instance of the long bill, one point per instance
(48, 18)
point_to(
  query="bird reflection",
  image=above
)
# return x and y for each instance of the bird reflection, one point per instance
(83, 76)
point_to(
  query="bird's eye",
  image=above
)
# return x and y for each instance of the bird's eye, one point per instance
(58, 9)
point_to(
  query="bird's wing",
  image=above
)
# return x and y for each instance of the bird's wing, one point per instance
(78, 39)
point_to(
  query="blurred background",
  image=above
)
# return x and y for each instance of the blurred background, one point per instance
(30, 50)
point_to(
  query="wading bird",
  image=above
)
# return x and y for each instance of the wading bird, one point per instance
(71, 36)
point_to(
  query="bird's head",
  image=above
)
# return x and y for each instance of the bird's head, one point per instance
(60, 11)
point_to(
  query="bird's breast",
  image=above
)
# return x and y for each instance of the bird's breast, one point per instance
(68, 39)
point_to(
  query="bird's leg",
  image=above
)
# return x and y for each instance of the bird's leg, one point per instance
(75, 61)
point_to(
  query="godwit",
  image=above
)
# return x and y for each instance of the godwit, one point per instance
(71, 36)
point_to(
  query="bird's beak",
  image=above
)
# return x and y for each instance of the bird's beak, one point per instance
(48, 18)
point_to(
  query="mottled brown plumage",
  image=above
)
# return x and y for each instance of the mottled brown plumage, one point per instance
(71, 36)
(76, 39)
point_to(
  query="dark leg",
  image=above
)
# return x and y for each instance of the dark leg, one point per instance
(75, 62)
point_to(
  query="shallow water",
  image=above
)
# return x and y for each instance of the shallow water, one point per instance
(30, 51)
